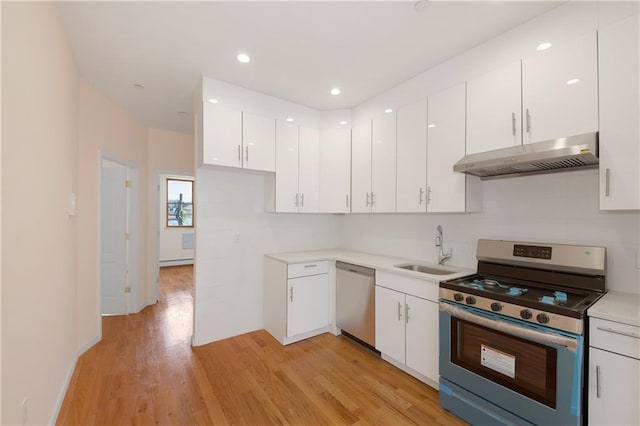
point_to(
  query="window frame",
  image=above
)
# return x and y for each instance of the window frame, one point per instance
(167, 203)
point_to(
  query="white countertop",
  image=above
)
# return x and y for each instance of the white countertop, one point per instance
(619, 307)
(371, 261)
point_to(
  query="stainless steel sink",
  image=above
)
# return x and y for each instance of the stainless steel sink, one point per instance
(425, 269)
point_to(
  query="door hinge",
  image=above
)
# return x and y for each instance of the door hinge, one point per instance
(127, 289)
(127, 236)
(127, 183)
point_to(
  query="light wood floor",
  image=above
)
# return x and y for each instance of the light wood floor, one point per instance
(144, 371)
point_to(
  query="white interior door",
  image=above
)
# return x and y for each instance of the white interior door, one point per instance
(113, 248)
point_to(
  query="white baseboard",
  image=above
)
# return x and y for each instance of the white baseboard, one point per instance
(178, 262)
(67, 380)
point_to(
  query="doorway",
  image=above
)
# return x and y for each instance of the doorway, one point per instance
(117, 237)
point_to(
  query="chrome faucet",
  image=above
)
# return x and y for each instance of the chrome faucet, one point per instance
(442, 256)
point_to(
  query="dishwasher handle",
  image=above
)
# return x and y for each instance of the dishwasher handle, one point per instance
(356, 269)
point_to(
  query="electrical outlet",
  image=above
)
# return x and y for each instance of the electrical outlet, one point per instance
(237, 238)
(25, 410)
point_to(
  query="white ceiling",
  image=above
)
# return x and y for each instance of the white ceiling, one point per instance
(299, 50)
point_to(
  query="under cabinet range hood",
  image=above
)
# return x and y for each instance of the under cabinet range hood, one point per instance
(540, 157)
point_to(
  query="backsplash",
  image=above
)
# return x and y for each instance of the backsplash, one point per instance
(559, 208)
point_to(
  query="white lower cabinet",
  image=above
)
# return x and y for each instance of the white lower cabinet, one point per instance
(296, 299)
(614, 373)
(407, 326)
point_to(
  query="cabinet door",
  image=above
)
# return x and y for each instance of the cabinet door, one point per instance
(335, 168)
(286, 167)
(259, 142)
(308, 304)
(560, 91)
(383, 163)
(361, 167)
(422, 336)
(309, 169)
(390, 323)
(411, 185)
(446, 145)
(614, 389)
(222, 136)
(619, 111)
(494, 108)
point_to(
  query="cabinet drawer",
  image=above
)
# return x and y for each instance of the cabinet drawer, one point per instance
(615, 337)
(413, 286)
(308, 268)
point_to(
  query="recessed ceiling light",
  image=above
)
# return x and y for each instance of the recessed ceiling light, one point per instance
(343, 122)
(244, 58)
(290, 120)
(420, 5)
(543, 46)
(138, 86)
(213, 100)
(431, 125)
(335, 91)
(388, 110)
(573, 81)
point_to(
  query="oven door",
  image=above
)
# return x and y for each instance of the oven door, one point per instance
(496, 369)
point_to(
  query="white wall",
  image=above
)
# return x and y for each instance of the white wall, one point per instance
(560, 208)
(233, 235)
(39, 171)
(170, 238)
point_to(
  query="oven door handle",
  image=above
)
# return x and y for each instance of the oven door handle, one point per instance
(524, 332)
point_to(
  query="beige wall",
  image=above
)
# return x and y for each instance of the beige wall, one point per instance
(105, 128)
(171, 152)
(39, 164)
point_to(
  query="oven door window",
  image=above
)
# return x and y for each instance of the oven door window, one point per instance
(526, 367)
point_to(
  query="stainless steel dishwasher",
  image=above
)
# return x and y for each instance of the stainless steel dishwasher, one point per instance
(355, 301)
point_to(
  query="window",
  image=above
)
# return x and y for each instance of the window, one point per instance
(179, 203)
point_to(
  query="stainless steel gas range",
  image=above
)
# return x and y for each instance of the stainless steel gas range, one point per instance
(512, 337)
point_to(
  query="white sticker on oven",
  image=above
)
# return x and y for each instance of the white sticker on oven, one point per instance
(497, 360)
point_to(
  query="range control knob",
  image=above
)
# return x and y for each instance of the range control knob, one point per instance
(458, 297)
(470, 300)
(542, 318)
(496, 307)
(525, 314)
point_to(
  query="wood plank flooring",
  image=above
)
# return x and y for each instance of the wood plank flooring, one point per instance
(144, 371)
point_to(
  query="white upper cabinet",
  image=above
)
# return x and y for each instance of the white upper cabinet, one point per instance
(297, 168)
(383, 163)
(411, 185)
(221, 136)
(309, 169)
(335, 168)
(361, 167)
(447, 190)
(259, 142)
(560, 90)
(494, 110)
(287, 198)
(619, 111)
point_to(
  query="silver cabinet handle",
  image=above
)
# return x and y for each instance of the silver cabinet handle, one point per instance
(528, 121)
(302, 200)
(347, 200)
(406, 313)
(421, 193)
(597, 381)
(291, 294)
(373, 199)
(607, 176)
(368, 199)
(513, 123)
(297, 199)
(247, 155)
(622, 333)
(399, 311)
(239, 153)
(428, 194)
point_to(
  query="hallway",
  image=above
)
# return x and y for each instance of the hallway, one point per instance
(144, 371)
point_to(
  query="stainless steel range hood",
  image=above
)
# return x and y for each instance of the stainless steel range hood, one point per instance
(540, 157)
